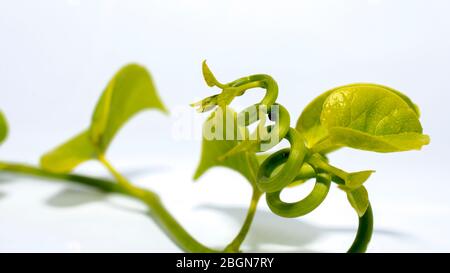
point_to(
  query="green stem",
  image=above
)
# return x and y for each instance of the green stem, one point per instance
(319, 162)
(168, 223)
(160, 214)
(364, 233)
(121, 180)
(101, 184)
(250, 85)
(171, 226)
(239, 239)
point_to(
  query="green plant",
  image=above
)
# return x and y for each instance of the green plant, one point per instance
(362, 116)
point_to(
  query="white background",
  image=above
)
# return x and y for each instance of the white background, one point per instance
(57, 56)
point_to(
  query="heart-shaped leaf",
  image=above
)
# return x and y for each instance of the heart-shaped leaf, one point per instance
(130, 91)
(3, 127)
(214, 147)
(362, 116)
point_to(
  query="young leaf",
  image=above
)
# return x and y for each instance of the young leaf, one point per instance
(309, 121)
(70, 154)
(356, 179)
(359, 199)
(130, 91)
(214, 149)
(3, 127)
(209, 77)
(363, 116)
(205, 104)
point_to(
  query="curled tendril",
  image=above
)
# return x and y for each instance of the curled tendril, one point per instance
(288, 165)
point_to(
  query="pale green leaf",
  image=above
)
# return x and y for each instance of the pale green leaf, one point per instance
(359, 199)
(363, 116)
(213, 150)
(68, 155)
(309, 121)
(130, 91)
(209, 77)
(382, 144)
(3, 127)
(356, 179)
(205, 104)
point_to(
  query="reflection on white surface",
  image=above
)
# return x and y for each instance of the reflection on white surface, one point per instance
(58, 55)
(51, 216)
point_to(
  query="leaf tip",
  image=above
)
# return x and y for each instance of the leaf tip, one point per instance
(356, 179)
(198, 173)
(209, 77)
(3, 127)
(426, 139)
(164, 110)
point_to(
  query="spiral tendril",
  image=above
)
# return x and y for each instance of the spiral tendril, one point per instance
(289, 160)
(288, 165)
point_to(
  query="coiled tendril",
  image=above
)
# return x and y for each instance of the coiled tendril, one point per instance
(288, 165)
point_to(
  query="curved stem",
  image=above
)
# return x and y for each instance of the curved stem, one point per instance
(121, 180)
(98, 183)
(160, 214)
(239, 239)
(170, 225)
(364, 233)
(250, 85)
(303, 206)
